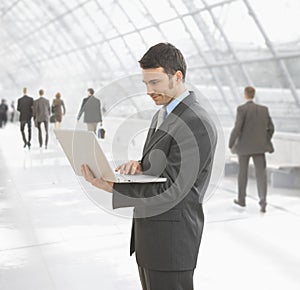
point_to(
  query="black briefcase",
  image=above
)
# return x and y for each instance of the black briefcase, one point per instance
(101, 133)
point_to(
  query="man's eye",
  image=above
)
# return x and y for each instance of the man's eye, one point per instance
(154, 82)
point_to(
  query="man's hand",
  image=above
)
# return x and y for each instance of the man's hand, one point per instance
(132, 167)
(97, 182)
(232, 150)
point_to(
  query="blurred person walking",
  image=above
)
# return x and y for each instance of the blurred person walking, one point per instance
(12, 111)
(58, 109)
(3, 113)
(251, 137)
(41, 113)
(91, 107)
(24, 106)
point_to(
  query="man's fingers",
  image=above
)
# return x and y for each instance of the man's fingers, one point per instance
(82, 168)
(127, 168)
(124, 168)
(121, 167)
(86, 172)
(133, 169)
(98, 182)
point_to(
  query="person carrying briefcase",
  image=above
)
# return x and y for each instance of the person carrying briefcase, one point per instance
(101, 133)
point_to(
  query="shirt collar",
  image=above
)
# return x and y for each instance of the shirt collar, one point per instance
(171, 106)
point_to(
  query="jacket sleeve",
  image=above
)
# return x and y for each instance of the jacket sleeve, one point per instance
(270, 128)
(100, 111)
(81, 110)
(53, 106)
(34, 109)
(63, 105)
(18, 105)
(186, 158)
(238, 126)
(31, 106)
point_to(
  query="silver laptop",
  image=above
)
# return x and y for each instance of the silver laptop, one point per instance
(82, 147)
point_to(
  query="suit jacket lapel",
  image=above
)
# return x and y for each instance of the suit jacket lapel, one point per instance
(151, 131)
(154, 136)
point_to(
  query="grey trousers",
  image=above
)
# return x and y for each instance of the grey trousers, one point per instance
(46, 125)
(164, 280)
(92, 127)
(259, 161)
(22, 128)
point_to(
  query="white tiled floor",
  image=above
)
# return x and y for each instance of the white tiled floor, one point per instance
(53, 236)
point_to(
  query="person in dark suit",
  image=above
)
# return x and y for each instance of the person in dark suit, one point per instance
(91, 107)
(180, 145)
(3, 113)
(251, 137)
(24, 106)
(41, 114)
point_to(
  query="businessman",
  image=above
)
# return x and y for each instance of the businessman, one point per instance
(251, 137)
(41, 114)
(168, 217)
(3, 113)
(24, 106)
(91, 107)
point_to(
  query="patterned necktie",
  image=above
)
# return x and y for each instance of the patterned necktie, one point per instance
(161, 116)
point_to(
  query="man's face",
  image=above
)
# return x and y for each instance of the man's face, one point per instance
(161, 87)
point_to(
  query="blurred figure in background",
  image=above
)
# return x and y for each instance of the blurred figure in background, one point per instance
(58, 109)
(3, 113)
(12, 111)
(251, 137)
(24, 106)
(41, 113)
(91, 107)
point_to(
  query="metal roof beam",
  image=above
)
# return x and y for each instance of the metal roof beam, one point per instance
(271, 47)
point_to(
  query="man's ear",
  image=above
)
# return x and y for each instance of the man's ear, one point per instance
(179, 75)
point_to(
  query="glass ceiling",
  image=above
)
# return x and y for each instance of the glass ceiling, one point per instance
(227, 44)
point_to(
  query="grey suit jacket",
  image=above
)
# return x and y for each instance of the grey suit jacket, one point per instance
(253, 130)
(24, 106)
(91, 107)
(41, 109)
(170, 241)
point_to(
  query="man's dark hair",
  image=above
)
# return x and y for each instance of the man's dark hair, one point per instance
(250, 92)
(91, 91)
(164, 55)
(41, 92)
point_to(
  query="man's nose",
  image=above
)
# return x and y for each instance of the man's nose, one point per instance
(149, 93)
(150, 90)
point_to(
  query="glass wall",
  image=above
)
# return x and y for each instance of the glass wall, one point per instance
(70, 45)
